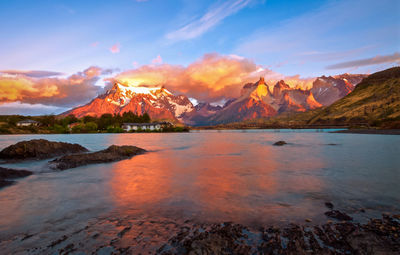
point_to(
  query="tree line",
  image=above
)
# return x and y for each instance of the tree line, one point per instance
(65, 124)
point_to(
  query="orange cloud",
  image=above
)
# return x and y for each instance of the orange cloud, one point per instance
(211, 78)
(75, 89)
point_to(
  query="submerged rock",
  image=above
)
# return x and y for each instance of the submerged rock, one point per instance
(39, 149)
(329, 205)
(111, 154)
(338, 215)
(4, 183)
(6, 174)
(280, 143)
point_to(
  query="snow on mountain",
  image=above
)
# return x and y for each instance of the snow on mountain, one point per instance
(158, 102)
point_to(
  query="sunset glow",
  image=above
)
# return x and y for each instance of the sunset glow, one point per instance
(216, 127)
(208, 58)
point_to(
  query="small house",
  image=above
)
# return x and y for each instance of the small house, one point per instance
(145, 126)
(27, 123)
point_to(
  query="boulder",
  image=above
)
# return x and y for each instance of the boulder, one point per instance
(39, 149)
(280, 143)
(111, 154)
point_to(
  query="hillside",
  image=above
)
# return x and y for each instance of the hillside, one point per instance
(375, 100)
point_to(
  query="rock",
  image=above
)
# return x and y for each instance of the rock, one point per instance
(338, 215)
(6, 174)
(39, 149)
(4, 183)
(280, 143)
(379, 236)
(308, 220)
(329, 205)
(111, 154)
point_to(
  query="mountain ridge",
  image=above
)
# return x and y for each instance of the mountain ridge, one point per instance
(256, 100)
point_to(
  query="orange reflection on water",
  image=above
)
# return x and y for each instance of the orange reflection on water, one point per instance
(216, 179)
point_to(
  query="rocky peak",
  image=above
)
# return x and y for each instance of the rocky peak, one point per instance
(279, 87)
(207, 106)
(261, 81)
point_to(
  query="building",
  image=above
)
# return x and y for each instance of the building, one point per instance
(27, 123)
(145, 126)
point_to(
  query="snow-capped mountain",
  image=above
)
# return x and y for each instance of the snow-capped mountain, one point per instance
(256, 100)
(159, 103)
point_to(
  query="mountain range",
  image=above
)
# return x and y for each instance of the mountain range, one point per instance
(256, 100)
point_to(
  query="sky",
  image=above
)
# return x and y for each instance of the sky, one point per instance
(60, 54)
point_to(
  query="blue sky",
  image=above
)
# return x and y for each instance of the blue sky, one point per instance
(306, 38)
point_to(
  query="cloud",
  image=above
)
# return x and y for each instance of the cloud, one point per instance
(35, 74)
(29, 109)
(64, 92)
(394, 58)
(95, 44)
(157, 60)
(212, 78)
(211, 18)
(115, 48)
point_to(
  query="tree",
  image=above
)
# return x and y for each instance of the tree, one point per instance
(47, 120)
(89, 118)
(145, 118)
(90, 127)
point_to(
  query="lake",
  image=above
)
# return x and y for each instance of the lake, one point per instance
(203, 176)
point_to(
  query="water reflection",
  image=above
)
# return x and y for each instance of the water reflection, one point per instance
(211, 176)
(226, 177)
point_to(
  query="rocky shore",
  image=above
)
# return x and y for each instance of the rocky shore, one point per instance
(378, 236)
(153, 235)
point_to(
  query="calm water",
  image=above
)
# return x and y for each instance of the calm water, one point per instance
(209, 176)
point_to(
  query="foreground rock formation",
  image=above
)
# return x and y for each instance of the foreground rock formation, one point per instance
(378, 236)
(111, 154)
(160, 235)
(39, 149)
(7, 175)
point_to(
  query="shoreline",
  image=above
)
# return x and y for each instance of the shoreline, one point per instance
(132, 235)
(369, 131)
(196, 129)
